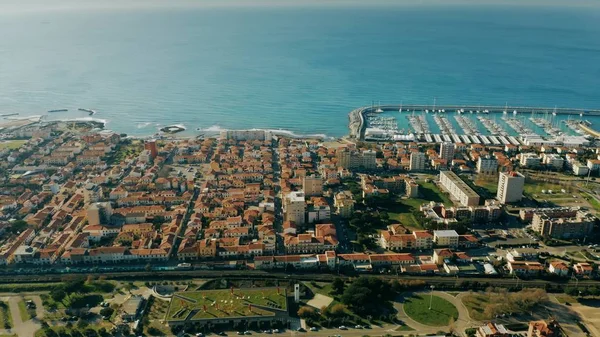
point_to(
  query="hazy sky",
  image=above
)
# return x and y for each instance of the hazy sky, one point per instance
(15, 6)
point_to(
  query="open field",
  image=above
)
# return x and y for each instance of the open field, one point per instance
(489, 183)
(442, 312)
(226, 303)
(536, 187)
(11, 144)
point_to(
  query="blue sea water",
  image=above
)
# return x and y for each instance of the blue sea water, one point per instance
(300, 68)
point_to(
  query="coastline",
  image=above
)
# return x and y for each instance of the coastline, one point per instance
(356, 122)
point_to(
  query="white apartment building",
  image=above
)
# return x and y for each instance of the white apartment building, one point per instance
(459, 189)
(294, 207)
(579, 169)
(529, 160)
(553, 160)
(510, 187)
(445, 238)
(417, 161)
(487, 165)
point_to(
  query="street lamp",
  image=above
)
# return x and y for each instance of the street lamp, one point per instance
(431, 297)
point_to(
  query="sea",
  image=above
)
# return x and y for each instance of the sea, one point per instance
(300, 67)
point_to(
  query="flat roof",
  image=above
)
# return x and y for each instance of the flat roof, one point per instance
(448, 232)
(460, 183)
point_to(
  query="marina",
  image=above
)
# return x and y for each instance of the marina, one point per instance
(492, 126)
(418, 123)
(443, 124)
(466, 124)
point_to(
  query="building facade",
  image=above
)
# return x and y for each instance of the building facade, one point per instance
(510, 187)
(417, 161)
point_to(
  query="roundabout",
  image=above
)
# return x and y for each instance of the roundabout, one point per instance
(430, 310)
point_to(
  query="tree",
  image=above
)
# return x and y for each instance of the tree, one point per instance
(17, 226)
(571, 291)
(81, 324)
(338, 310)
(369, 296)
(107, 312)
(338, 286)
(89, 332)
(152, 331)
(306, 312)
(58, 294)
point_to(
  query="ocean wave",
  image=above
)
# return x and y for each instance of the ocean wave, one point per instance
(214, 128)
(143, 125)
(86, 119)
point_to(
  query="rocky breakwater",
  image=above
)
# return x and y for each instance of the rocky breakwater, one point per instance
(356, 124)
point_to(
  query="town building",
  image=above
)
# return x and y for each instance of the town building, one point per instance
(417, 161)
(353, 159)
(447, 151)
(487, 165)
(510, 187)
(150, 145)
(446, 238)
(99, 213)
(544, 329)
(529, 160)
(492, 330)
(294, 208)
(567, 224)
(312, 186)
(344, 204)
(579, 169)
(458, 188)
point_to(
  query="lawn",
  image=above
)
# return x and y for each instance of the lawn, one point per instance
(536, 187)
(23, 311)
(5, 318)
(490, 184)
(404, 208)
(156, 311)
(564, 298)
(592, 201)
(11, 144)
(323, 288)
(441, 314)
(226, 303)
